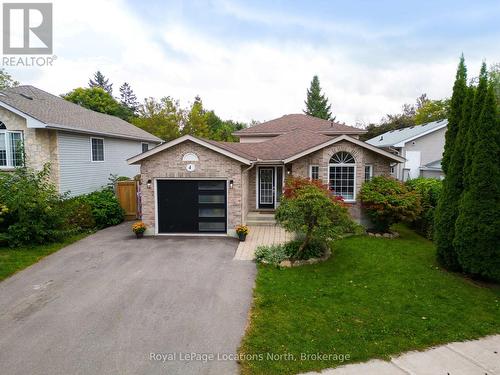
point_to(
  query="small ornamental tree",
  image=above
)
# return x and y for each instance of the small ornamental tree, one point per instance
(308, 208)
(388, 201)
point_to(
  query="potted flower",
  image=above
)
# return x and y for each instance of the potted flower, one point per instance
(139, 228)
(242, 231)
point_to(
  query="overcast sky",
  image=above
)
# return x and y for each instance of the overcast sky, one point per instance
(255, 59)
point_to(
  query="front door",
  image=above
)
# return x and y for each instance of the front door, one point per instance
(266, 187)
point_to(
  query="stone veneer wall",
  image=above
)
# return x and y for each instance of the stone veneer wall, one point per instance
(169, 164)
(40, 145)
(362, 156)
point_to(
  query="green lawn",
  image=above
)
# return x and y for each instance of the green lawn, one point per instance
(373, 298)
(16, 259)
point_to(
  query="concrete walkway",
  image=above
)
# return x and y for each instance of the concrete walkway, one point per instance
(478, 357)
(261, 235)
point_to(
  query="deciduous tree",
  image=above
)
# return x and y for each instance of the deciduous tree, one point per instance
(96, 99)
(162, 118)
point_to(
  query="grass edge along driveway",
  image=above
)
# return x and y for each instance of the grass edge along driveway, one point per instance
(373, 298)
(13, 260)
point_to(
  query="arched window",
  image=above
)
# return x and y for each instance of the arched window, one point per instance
(190, 157)
(342, 157)
(342, 176)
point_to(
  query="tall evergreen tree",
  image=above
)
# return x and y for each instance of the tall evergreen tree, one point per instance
(317, 103)
(102, 82)
(472, 134)
(446, 212)
(478, 225)
(128, 98)
(457, 99)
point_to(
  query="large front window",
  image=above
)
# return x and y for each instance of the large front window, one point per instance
(11, 149)
(342, 178)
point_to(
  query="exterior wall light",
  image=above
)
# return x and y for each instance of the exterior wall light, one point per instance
(149, 184)
(231, 183)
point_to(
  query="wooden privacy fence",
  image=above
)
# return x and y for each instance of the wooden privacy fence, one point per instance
(126, 192)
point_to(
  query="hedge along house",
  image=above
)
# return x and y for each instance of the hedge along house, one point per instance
(195, 185)
(83, 147)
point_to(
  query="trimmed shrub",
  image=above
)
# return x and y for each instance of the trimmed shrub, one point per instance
(315, 249)
(309, 209)
(36, 212)
(105, 208)
(273, 254)
(389, 201)
(429, 190)
(81, 217)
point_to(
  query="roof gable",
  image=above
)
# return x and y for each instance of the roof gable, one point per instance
(210, 145)
(400, 136)
(42, 109)
(298, 121)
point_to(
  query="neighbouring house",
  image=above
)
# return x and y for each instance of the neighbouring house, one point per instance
(83, 147)
(194, 185)
(422, 146)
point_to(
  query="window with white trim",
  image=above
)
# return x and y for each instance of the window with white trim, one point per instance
(314, 172)
(342, 175)
(97, 149)
(145, 146)
(368, 172)
(11, 148)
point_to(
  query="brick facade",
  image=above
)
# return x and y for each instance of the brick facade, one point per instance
(242, 197)
(362, 156)
(211, 165)
(40, 145)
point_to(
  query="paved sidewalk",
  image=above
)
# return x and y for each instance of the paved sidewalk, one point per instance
(478, 357)
(261, 235)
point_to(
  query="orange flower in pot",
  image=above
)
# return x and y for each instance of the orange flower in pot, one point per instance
(139, 228)
(242, 231)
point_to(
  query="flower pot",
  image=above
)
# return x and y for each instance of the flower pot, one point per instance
(139, 234)
(242, 236)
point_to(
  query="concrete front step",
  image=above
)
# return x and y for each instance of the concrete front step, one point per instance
(260, 223)
(261, 218)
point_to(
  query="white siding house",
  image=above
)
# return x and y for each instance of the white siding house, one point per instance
(83, 147)
(422, 146)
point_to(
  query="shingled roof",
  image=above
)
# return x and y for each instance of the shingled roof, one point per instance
(297, 121)
(57, 113)
(276, 148)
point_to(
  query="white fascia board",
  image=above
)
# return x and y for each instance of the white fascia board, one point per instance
(344, 137)
(31, 122)
(164, 146)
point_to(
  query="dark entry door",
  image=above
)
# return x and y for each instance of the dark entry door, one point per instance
(188, 206)
(266, 187)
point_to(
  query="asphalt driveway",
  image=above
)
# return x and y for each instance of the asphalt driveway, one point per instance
(112, 304)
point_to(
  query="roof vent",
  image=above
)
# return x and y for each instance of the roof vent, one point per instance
(331, 123)
(26, 96)
(381, 138)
